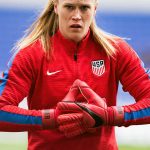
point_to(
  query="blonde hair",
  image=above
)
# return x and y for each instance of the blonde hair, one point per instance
(46, 25)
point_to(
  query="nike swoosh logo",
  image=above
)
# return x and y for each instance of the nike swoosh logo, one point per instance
(52, 73)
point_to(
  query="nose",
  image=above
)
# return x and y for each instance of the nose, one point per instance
(76, 15)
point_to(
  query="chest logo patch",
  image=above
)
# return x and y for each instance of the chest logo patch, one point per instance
(52, 73)
(98, 67)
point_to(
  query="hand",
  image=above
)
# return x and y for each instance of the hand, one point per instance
(83, 117)
(49, 116)
(76, 123)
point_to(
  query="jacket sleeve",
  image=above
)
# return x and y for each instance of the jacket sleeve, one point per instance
(135, 80)
(15, 85)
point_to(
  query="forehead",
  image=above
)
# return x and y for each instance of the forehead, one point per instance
(78, 1)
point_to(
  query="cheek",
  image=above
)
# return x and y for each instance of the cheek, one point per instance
(63, 17)
(88, 18)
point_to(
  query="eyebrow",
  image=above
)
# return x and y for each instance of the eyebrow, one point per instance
(70, 4)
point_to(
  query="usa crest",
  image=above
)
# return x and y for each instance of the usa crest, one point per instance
(98, 67)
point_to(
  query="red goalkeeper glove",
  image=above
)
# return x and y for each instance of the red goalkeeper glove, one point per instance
(49, 116)
(85, 116)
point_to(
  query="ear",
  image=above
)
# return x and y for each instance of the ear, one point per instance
(56, 8)
(95, 9)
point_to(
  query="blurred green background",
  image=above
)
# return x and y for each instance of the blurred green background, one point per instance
(18, 141)
(22, 146)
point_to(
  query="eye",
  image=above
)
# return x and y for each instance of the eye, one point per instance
(69, 7)
(84, 8)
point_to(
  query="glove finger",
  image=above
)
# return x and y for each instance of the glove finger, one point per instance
(72, 94)
(70, 127)
(92, 97)
(71, 130)
(66, 107)
(89, 94)
(75, 133)
(69, 118)
(79, 83)
(83, 118)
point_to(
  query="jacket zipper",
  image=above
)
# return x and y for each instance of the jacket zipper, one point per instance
(75, 53)
(75, 56)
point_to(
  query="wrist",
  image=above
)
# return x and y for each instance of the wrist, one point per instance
(115, 115)
(48, 118)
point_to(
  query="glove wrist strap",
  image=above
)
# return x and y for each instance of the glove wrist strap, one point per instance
(119, 116)
(116, 116)
(48, 118)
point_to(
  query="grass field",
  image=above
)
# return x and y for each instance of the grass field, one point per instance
(13, 146)
(18, 141)
(23, 147)
(127, 147)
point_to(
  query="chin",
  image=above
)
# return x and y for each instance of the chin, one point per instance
(76, 38)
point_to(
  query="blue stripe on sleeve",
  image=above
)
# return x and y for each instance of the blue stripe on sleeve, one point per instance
(3, 81)
(148, 71)
(137, 114)
(20, 119)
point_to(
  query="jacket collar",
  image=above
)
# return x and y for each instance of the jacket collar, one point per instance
(71, 45)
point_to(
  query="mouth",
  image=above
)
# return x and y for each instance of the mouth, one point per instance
(76, 26)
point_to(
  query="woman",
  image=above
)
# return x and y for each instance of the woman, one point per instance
(64, 44)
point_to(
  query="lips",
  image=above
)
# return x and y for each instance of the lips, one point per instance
(76, 26)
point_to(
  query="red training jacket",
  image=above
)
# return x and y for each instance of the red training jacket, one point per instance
(45, 83)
